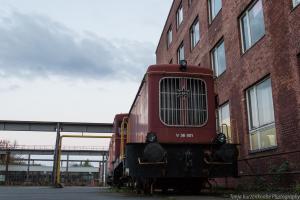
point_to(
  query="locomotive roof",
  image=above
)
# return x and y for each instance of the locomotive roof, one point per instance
(176, 68)
(118, 119)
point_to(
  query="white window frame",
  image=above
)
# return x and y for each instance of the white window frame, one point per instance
(181, 47)
(211, 6)
(246, 14)
(261, 127)
(295, 3)
(179, 13)
(193, 32)
(215, 66)
(169, 36)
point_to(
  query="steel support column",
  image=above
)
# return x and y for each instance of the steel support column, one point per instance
(7, 161)
(56, 150)
(99, 176)
(67, 170)
(28, 168)
(105, 170)
(102, 170)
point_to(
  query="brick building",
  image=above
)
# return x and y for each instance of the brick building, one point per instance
(253, 46)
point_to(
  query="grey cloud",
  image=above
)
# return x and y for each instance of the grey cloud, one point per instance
(35, 46)
(10, 88)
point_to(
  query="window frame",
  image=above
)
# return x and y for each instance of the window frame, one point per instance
(295, 3)
(178, 52)
(211, 5)
(178, 23)
(250, 120)
(193, 44)
(170, 31)
(246, 13)
(218, 44)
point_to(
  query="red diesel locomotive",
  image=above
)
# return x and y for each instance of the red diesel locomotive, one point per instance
(169, 139)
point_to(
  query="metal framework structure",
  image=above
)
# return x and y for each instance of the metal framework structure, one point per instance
(58, 127)
(57, 175)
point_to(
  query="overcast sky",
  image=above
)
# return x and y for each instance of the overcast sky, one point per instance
(74, 60)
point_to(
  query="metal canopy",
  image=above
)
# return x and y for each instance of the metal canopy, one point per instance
(52, 126)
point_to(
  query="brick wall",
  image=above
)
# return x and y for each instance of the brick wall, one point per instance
(276, 54)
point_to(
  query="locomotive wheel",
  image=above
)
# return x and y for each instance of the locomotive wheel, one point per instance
(138, 186)
(148, 187)
(165, 190)
(131, 184)
(186, 188)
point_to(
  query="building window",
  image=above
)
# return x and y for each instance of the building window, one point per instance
(261, 116)
(296, 3)
(180, 53)
(224, 121)
(252, 25)
(195, 33)
(214, 8)
(190, 2)
(169, 36)
(218, 59)
(179, 16)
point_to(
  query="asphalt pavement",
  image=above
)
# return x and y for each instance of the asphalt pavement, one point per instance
(86, 193)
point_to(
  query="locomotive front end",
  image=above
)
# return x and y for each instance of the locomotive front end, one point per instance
(172, 141)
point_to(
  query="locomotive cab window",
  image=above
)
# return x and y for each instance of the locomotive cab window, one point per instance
(183, 101)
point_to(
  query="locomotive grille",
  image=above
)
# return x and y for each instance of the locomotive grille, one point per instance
(183, 102)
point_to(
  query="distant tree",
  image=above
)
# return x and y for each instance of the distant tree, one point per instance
(75, 165)
(87, 163)
(13, 159)
(3, 145)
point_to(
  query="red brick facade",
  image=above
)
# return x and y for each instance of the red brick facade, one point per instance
(275, 55)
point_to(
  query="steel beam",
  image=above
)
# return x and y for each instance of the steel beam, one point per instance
(49, 160)
(50, 152)
(40, 126)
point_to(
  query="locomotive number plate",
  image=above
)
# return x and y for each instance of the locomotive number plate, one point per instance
(184, 135)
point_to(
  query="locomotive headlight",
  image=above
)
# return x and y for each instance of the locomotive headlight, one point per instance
(220, 139)
(151, 137)
(183, 65)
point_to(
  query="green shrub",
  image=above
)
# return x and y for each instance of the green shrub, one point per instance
(297, 188)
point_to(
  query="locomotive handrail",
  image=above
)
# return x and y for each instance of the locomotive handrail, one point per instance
(128, 131)
(124, 122)
(216, 163)
(152, 163)
(226, 126)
